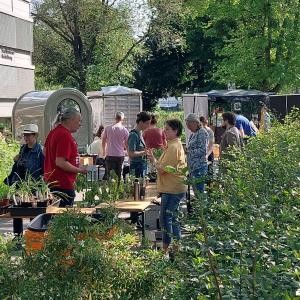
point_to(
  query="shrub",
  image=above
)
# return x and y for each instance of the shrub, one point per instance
(246, 241)
(70, 267)
(8, 152)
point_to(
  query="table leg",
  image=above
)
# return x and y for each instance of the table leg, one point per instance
(143, 224)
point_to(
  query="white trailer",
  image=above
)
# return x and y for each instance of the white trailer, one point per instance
(109, 100)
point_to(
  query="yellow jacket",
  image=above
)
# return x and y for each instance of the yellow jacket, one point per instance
(172, 183)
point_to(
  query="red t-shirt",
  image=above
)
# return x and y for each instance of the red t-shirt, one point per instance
(154, 138)
(60, 143)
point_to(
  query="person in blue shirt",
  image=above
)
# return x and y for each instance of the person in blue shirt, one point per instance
(137, 152)
(29, 161)
(136, 145)
(244, 126)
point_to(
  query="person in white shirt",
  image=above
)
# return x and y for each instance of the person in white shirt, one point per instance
(96, 146)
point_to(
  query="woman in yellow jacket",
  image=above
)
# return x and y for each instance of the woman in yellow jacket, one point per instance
(170, 181)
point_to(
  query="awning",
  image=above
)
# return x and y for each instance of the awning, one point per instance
(119, 90)
(6, 109)
(241, 95)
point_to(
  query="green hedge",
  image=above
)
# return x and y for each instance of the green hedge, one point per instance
(246, 243)
(8, 150)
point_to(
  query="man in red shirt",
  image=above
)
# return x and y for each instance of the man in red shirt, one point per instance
(61, 163)
(154, 137)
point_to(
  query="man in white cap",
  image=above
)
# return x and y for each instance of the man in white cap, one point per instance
(114, 143)
(29, 162)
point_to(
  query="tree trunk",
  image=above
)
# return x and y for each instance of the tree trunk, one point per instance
(79, 64)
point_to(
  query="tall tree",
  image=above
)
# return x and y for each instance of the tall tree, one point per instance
(263, 48)
(68, 34)
(161, 68)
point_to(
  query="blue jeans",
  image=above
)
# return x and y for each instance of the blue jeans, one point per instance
(199, 174)
(138, 168)
(169, 216)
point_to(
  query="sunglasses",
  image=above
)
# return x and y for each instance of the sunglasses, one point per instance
(28, 134)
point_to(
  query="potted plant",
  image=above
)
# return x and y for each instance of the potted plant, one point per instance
(30, 197)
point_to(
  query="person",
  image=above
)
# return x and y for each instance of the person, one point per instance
(211, 139)
(2, 132)
(154, 137)
(114, 143)
(266, 118)
(197, 150)
(170, 184)
(96, 147)
(62, 158)
(29, 162)
(231, 136)
(244, 126)
(136, 145)
(137, 153)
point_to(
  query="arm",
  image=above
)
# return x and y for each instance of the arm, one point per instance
(200, 145)
(242, 133)
(133, 142)
(62, 163)
(239, 126)
(210, 148)
(104, 141)
(155, 163)
(133, 154)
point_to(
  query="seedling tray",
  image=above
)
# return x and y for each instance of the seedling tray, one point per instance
(26, 209)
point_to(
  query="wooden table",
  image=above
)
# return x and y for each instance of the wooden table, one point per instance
(122, 206)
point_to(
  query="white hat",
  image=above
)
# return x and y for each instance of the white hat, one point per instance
(30, 128)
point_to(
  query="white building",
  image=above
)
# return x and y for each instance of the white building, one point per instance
(16, 47)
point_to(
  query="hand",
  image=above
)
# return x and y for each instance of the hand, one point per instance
(83, 169)
(16, 157)
(150, 155)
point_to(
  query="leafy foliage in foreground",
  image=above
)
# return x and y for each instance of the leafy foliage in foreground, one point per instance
(7, 151)
(246, 244)
(78, 262)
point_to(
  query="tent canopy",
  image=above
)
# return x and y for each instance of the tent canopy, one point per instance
(241, 95)
(119, 90)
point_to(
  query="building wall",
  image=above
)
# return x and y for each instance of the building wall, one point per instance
(16, 47)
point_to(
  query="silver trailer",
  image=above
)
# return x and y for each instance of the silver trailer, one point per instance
(42, 107)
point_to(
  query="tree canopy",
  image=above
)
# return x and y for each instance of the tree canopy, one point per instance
(181, 45)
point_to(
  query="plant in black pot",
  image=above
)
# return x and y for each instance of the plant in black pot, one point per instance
(30, 197)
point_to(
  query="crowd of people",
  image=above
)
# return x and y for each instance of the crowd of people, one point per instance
(58, 162)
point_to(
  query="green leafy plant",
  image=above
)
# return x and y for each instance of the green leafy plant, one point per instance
(78, 263)
(97, 192)
(245, 242)
(8, 152)
(30, 190)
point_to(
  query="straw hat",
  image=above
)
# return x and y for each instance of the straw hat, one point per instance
(30, 128)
